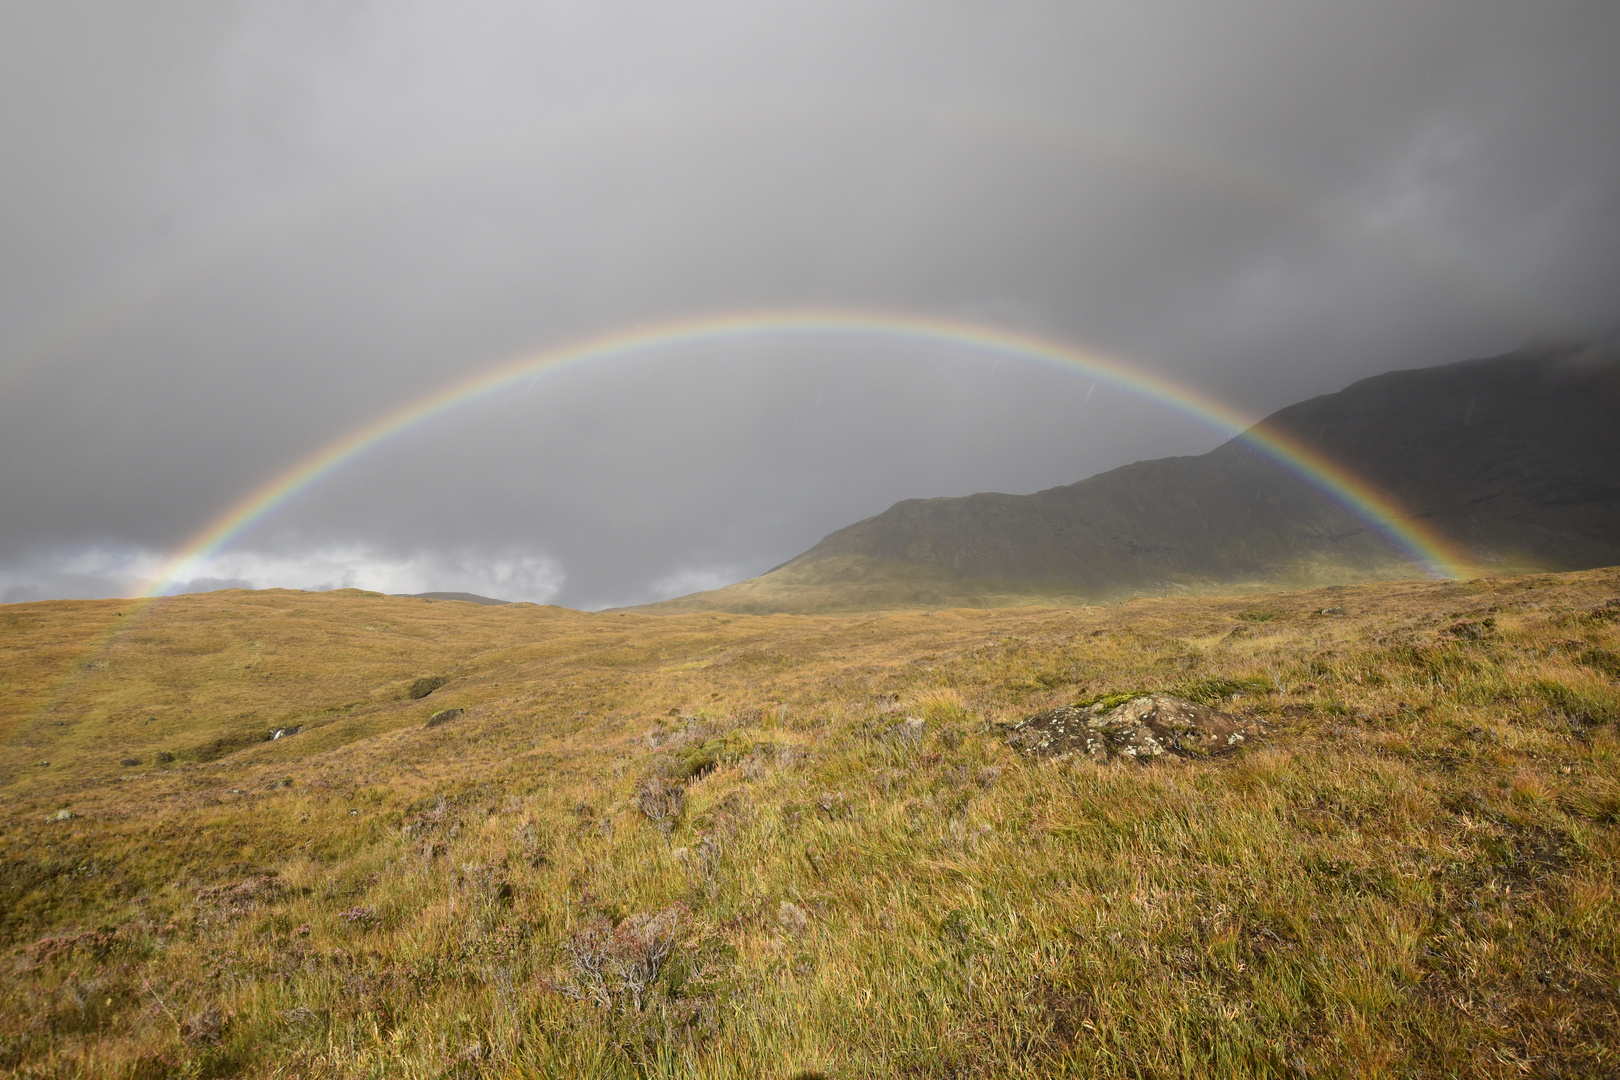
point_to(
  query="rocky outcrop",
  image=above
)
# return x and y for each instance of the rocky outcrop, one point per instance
(1141, 729)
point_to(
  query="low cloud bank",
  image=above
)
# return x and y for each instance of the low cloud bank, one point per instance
(96, 572)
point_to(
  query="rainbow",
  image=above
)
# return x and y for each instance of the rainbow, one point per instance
(1416, 539)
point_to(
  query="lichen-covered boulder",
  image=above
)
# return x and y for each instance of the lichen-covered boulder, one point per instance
(444, 716)
(1142, 729)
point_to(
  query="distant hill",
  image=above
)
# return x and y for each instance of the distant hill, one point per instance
(465, 597)
(1516, 458)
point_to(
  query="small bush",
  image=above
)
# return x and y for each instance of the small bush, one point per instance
(661, 800)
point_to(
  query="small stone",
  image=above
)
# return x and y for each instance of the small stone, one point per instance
(62, 815)
(284, 732)
(444, 716)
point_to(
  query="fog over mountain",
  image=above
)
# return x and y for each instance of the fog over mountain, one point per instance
(234, 232)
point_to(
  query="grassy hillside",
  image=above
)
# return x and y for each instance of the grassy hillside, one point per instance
(714, 845)
(1516, 459)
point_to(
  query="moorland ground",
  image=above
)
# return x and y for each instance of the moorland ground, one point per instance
(716, 845)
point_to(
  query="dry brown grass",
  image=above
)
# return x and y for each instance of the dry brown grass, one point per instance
(716, 845)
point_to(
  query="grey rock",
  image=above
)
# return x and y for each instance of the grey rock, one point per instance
(284, 732)
(1142, 729)
(444, 716)
(62, 815)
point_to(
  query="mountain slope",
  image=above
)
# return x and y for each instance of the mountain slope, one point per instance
(1516, 458)
(463, 597)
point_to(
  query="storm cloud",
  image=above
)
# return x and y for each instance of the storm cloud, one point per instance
(235, 232)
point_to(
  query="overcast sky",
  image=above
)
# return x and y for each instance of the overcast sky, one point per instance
(231, 232)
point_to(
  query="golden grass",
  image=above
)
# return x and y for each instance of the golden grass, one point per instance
(713, 845)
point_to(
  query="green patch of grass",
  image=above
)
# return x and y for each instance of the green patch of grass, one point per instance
(1219, 691)
(1606, 661)
(1110, 700)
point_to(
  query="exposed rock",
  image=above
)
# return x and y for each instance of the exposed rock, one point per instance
(284, 732)
(444, 716)
(422, 687)
(1143, 728)
(62, 815)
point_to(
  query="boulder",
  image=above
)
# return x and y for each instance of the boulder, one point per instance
(422, 687)
(444, 716)
(1142, 729)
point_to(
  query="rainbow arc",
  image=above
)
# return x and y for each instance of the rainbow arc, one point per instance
(1416, 539)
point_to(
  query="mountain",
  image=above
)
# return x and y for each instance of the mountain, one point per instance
(465, 597)
(1515, 458)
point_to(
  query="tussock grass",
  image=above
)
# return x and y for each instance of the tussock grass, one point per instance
(716, 845)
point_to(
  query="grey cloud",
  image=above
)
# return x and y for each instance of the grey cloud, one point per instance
(237, 231)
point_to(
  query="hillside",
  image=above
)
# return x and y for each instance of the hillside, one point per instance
(1517, 458)
(705, 845)
(464, 597)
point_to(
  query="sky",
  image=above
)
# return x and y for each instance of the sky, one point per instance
(233, 233)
